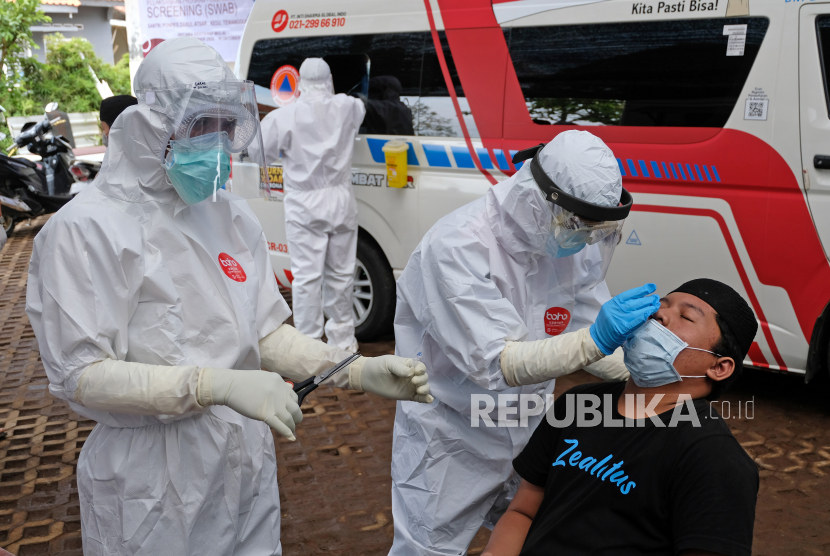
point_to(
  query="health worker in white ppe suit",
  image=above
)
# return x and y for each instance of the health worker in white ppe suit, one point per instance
(314, 136)
(501, 297)
(156, 308)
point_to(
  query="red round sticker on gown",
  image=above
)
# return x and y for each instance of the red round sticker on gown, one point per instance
(232, 269)
(556, 320)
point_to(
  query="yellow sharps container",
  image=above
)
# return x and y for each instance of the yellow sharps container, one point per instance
(396, 152)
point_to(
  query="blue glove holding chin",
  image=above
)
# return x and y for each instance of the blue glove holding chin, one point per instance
(622, 315)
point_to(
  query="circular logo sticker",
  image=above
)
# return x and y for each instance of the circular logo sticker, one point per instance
(149, 45)
(556, 320)
(284, 85)
(280, 21)
(231, 268)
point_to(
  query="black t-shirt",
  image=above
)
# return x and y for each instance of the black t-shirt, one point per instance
(638, 490)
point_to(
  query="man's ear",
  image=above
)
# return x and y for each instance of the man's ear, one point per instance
(722, 369)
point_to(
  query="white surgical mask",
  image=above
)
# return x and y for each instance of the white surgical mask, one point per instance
(650, 352)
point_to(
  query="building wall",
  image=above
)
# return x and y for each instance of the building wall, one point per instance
(96, 30)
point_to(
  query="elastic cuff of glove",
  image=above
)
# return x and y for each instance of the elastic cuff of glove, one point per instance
(605, 351)
(354, 374)
(203, 389)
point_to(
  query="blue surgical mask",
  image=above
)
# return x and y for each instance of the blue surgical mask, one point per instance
(650, 352)
(197, 173)
(557, 251)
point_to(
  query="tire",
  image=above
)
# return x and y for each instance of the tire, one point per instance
(374, 292)
(7, 222)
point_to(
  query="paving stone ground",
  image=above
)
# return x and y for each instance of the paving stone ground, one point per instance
(334, 481)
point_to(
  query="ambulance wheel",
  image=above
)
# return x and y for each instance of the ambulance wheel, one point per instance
(7, 222)
(373, 303)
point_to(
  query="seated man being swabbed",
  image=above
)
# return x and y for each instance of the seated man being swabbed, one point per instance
(661, 473)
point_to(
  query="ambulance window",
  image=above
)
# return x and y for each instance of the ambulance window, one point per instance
(385, 70)
(351, 74)
(435, 114)
(657, 73)
(394, 83)
(823, 30)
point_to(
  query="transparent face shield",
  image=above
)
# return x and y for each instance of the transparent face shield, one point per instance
(588, 244)
(216, 142)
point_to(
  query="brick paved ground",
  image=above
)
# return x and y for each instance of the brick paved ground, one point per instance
(334, 480)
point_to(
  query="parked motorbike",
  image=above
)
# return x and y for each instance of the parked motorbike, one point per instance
(29, 189)
(84, 172)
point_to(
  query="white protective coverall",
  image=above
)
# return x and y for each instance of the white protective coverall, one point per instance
(134, 312)
(128, 271)
(480, 278)
(315, 138)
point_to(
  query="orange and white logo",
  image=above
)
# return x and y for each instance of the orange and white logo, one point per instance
(284, 88)
(231, 268)
(556, 320)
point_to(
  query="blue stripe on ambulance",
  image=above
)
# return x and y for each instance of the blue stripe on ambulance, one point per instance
(484, 158)
(438, 156)
(376, 148)
(462, 157)
(501, 159)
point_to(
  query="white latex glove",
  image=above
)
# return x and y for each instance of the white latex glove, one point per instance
(524, 363)
(258, 395)
(610, 368)
(391, 377)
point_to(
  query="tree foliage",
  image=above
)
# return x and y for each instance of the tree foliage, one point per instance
(16, 19)
(65, 78)
(575, 111)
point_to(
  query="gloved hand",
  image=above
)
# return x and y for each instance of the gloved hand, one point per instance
(391, 377)
(623, 314)
(257, 395)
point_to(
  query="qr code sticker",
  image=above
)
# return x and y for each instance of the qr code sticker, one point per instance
(756, 109)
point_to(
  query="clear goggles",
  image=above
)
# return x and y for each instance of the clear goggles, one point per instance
(209, 118)
(222, 111)
(571, 231)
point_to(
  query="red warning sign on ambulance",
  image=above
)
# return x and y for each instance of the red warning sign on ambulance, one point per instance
(284, 85)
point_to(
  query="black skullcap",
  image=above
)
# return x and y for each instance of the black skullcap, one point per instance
(729, 305)
(112, 107)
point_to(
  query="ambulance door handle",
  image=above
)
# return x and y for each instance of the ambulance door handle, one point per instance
(821, 161)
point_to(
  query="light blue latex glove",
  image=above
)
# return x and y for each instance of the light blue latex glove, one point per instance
(623, 314)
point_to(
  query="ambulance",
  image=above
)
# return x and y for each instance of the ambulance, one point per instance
(718, 112)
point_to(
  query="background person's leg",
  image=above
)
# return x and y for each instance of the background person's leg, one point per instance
(446, 477)
(338, 286)
(307, 248)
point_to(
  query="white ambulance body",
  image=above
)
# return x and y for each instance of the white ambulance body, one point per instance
(717, 111)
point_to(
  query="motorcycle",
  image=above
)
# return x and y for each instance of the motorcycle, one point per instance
(29, 189)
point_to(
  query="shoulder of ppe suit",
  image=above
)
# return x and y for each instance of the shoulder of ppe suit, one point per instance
(355, 104)
(457, 228)
(456, 248)
(90, 227)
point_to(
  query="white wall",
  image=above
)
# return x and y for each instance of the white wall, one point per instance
(96, 30)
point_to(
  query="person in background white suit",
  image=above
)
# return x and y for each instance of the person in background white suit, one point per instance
(314, 136)
(155, 307)
(501, 297)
